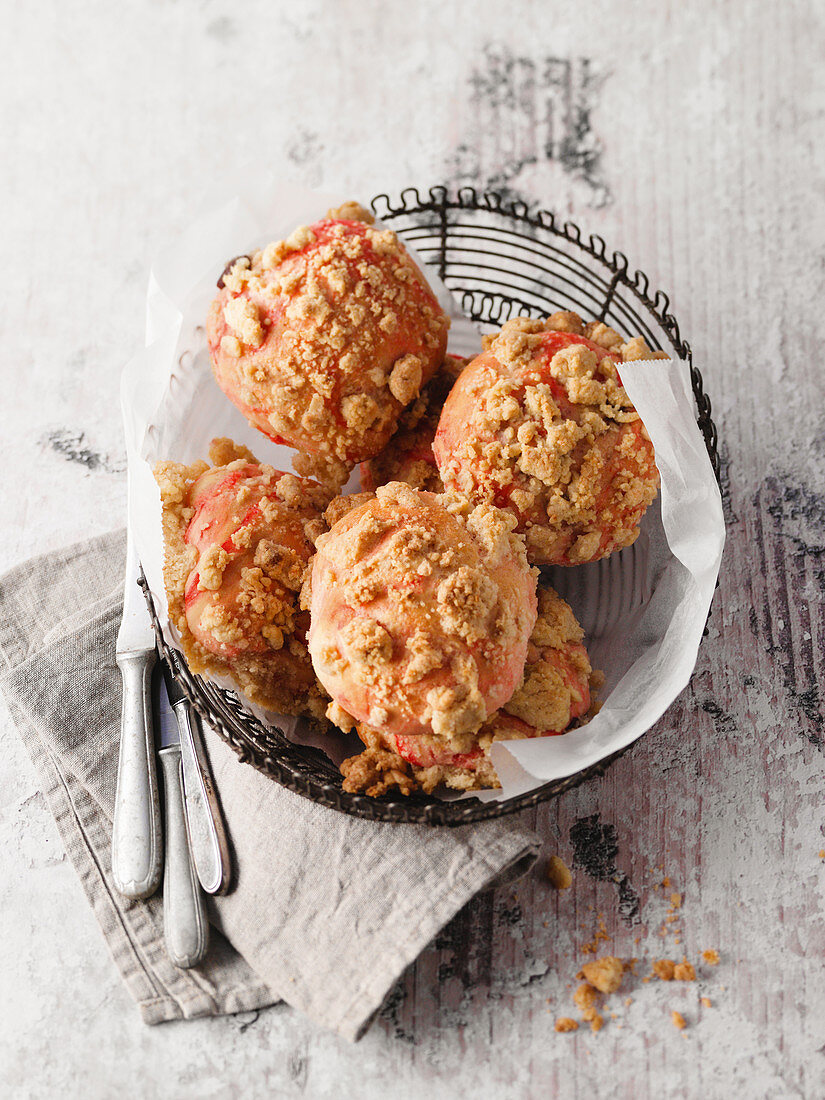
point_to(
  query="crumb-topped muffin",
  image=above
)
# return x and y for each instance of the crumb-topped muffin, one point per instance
(420, 613)
(540, 424)
(323, 339)
(238, 538)
(554, 695)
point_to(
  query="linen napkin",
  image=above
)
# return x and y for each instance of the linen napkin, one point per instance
(326, 910)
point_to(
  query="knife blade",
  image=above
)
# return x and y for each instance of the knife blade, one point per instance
(136, 834)
(207, 833)
(185, 928)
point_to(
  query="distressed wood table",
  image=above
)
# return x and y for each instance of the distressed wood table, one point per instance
(688, 136)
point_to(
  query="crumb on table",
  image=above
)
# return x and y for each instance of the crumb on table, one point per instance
(664, 969)
(684, 971)
(605, 973)
(559, 873)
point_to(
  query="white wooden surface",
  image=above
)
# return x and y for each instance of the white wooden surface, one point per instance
(688, 135)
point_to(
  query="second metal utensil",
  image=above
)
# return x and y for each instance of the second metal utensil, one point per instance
(185, 927)
(207, 835)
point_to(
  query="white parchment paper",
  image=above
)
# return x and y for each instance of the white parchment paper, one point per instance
(643, 609)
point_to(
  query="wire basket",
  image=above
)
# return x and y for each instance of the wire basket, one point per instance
(500, 260)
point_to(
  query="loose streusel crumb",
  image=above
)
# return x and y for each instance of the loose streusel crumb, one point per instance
(565, 1023)
(605, 973)
(711, 957)
(587, 999)
(559, 873)
(351, 211)
(678, 1020)
(684, 971)
(664, 969)
(706, 1001)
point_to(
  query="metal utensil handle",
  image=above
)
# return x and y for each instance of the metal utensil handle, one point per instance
(207, 837)
(184, 919)
(136, 836)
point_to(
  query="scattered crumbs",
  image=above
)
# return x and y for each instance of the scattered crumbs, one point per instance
(545, 924)
(678, 1020)
(678, 940)
(706, 1001)
(665, 882)
(565, 1023)
(670, 918)
(711, 957)
(821, 853)
(676, 900)
(559, 873)
(684, 971)
(664, 969)
(605, 973)
(723, 987)
(628, 1000)
(646, 980)
(637, 940)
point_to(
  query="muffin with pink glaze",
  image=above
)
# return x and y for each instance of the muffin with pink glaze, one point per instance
(555, 695)
(238, 538)
(323, 339)
(541, 425)
(421, 608)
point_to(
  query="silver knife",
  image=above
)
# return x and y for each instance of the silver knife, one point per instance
(184, 918)
(207, 835)
(136, 836)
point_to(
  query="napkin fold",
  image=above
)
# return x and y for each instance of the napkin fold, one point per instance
(326, 910)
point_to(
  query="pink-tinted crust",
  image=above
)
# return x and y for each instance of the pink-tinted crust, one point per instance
(405, 604)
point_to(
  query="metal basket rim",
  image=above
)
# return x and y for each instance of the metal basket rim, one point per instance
(418, 809)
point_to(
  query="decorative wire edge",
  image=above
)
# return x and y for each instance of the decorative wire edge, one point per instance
(221, 709)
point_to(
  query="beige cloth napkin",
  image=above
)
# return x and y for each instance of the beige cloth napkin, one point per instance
(327, 910)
